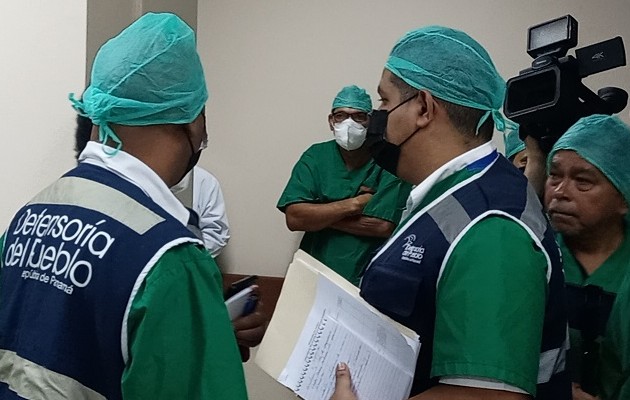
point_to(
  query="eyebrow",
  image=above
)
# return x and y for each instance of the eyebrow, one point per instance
(590, 170)
(585, 170)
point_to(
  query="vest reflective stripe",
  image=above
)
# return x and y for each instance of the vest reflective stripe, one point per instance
(552, 362)
(450, 217)
(531, 233)
(28, 380)
(415, 215)
(75, 191)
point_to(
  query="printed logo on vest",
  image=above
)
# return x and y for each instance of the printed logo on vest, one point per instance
(410, 252)
(50, 248)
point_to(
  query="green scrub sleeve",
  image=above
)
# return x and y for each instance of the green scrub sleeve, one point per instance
(300, 188)
(389, 200)
(615, 348)
(490, 306)
(181, 342)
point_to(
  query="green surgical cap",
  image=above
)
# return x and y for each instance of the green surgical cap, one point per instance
(513, 144)
(147, 75)
(453, 67)
(603, 141)
(353, 97)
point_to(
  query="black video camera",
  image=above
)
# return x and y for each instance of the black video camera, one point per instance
(549, 97)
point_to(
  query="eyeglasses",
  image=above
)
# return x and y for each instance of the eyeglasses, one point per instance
(359, 117)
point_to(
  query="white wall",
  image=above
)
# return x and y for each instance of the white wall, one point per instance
(273, 68)
(42, 59)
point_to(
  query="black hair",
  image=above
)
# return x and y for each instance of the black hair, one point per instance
(464, 119)
(82, 134)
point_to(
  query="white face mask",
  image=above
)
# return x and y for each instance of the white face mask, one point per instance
(349, 134)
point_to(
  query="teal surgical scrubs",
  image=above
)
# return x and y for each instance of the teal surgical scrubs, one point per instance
(321, 176)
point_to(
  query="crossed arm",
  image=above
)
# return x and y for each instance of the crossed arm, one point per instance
(343, 215)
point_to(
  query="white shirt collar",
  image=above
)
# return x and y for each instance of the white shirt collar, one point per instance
(457, 164)
(135, 171)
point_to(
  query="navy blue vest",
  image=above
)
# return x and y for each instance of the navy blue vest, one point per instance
(73, 259)
(401, 280)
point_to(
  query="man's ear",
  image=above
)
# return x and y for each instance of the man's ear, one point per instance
(426, 108)
(330, 122)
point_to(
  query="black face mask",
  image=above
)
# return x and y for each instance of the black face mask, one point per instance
(385, 154)
(193, 160)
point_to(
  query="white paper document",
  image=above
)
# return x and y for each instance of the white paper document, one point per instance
(340, 328)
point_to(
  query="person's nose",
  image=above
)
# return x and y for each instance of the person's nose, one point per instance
(560, 190)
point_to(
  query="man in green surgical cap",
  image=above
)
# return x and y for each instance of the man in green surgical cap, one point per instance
(586, 196)
(473, 267)
(515, 150)
(105, 293)
(346, 204)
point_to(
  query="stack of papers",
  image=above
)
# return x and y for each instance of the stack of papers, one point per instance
(319, 321)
